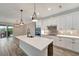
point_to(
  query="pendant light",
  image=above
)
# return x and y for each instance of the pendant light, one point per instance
(21, 21)
(34, 16)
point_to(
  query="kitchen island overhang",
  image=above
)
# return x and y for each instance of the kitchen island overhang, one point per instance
(36, 46)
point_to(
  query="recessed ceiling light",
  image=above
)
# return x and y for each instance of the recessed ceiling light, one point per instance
(49, 9)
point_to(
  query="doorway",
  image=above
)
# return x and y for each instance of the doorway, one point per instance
(6, 31)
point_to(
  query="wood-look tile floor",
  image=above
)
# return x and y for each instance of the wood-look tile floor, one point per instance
(9, 47)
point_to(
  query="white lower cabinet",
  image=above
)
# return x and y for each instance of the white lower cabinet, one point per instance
(56, 41)
(64, 43)
(61, 42)
(75, 45)
(67, 43)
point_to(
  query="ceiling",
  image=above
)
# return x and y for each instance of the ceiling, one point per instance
(10, 12)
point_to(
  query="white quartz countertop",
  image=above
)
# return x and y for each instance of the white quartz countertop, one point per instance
(37, 42)
(60, 35)
(69, 36)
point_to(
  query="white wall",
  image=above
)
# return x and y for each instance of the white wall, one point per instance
(22, 30)
(19, 30)
(31, 26)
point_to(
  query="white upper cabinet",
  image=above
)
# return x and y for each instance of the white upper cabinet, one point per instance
(69, 21)
(60, 23)
(64, 22)
(75, 20)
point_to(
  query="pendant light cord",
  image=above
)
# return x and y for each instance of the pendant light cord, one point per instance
(21, 14)
(34, 16)
(34, 7)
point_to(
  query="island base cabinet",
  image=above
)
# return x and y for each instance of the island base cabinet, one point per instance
(50, 49)
(32, 51)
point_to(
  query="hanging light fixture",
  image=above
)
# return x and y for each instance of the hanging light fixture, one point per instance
(34, 16)
(21, 21)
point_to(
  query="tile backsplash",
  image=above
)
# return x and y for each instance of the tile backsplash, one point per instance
(68, 32)
(63, 32)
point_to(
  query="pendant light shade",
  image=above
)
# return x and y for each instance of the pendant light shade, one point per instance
(21, 21)
(34, 16)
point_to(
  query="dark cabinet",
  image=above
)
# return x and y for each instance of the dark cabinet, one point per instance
(50, 49)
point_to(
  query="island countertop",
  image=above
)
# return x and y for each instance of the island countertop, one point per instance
(38, 42)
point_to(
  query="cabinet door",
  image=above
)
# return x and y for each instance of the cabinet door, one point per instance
(60, 23)
(68, 21)
(75, 45)
(62, 42)
(76, 20)
(67, 43)
(59, 42)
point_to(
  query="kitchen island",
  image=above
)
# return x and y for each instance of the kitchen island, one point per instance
(36, 46)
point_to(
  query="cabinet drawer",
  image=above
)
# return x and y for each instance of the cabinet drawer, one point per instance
(75, 45)
(62, 42)
(59, 42)
(68, 43)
